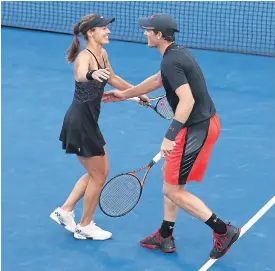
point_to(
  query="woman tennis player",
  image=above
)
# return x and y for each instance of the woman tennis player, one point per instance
(80, 134)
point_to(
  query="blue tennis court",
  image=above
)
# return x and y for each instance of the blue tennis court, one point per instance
(37, 88)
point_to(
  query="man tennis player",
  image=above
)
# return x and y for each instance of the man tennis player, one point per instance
(189, 140)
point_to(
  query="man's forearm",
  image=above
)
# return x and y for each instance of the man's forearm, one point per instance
(148, 85)
(183, 110)
(118, 83)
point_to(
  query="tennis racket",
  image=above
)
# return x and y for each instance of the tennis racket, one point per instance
(160, 105)
(122, 193)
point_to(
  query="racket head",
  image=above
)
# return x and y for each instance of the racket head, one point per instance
(120, 195)
(163, 108)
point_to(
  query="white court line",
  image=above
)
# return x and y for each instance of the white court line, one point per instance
(244, 229)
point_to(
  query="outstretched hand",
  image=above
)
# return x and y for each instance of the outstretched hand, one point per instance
(113, 96)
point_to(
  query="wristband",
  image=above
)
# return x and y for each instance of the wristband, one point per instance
(89, 75)
(174, 129)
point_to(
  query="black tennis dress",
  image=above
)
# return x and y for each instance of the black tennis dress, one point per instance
(80, 133)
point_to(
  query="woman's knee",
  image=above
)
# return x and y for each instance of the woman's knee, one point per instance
(99, 174)
(97, 168)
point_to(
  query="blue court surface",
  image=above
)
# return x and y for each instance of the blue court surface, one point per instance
(37, 88)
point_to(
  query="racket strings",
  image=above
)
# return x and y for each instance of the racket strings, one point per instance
(120, 195)
(164, 109)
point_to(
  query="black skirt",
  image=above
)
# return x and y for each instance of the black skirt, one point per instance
(80, 133)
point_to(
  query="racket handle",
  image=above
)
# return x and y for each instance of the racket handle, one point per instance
(134, 99)
(155, 160)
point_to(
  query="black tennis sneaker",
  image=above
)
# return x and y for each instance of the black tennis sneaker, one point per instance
(223, 242)
(156, 241)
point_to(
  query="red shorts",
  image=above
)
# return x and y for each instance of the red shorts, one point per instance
(189, 158)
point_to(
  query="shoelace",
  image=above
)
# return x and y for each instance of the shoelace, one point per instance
(152, 235)
(95, 226)
(70, 217)
(218, 244)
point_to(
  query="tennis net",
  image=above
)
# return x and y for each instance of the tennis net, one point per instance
(237, 26)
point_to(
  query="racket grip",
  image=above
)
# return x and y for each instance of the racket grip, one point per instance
(134, 99)
(155, 159)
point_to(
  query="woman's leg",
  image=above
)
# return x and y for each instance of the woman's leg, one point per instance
(77, 193)
(97, 168)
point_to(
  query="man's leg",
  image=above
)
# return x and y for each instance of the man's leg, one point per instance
(169, 218)
(225, 234)
(188, 161)
(198, 209)
(194, 206)
(166, 230)
(170, 214)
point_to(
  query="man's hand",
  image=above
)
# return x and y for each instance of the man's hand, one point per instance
(144, 100)
(166, 147)
(113, 96)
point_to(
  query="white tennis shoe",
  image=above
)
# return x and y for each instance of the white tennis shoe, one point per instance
(91, 231)
(64, 218)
